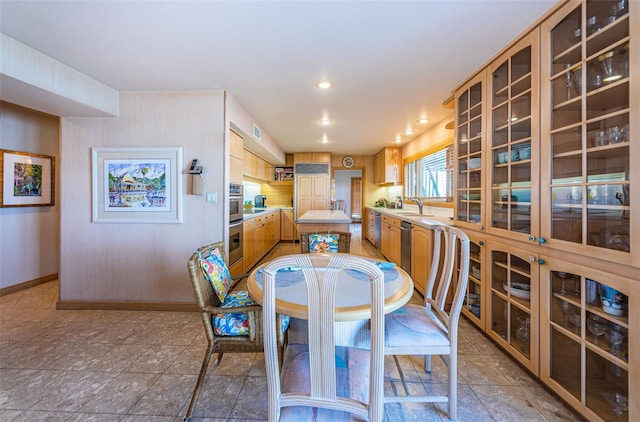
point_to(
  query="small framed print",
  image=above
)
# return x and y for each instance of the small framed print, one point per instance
(27, 180)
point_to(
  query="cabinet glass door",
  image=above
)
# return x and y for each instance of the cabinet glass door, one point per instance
(514, 142)
(588, 75)
(469, 155)
(514, 287)
(472, 305)
(586, 330)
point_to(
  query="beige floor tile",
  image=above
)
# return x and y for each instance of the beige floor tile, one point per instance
(122, 392)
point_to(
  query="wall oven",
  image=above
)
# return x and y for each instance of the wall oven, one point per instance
(235, 242)
(235, 202)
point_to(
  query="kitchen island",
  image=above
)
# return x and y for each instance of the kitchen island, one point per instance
(322, 221)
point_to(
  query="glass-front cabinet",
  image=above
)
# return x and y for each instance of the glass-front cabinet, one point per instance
(468, 148)
(472, 305)
(586, 339)
(512, 290)
(590, 130)
(514, 138)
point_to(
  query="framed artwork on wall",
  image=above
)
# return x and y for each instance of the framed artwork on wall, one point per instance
(136, 185)
(27, 180)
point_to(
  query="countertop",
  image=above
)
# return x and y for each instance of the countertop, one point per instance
(324, 216)
(248, 214)
(427, 221)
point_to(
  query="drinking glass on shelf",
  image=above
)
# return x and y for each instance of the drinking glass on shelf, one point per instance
(568, 81)
(618, 402)
(565, 310)
(596, 327)
(615, 339)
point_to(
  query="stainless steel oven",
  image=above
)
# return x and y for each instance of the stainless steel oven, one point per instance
(235, 242)
(235, 202)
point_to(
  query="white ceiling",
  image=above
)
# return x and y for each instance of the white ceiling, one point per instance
(390, 61)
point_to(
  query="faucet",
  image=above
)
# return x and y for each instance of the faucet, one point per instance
(417, 201)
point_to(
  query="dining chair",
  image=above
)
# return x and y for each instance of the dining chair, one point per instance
(330, 241)
(340, 205)
(232, 320)
(319, 380)
(431, 329)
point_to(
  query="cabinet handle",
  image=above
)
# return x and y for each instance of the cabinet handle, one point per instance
(532, 238)
(541, 261)
(532, 259)
(481, 243)
(541, 240)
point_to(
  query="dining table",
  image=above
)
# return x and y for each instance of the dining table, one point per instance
(353, 307)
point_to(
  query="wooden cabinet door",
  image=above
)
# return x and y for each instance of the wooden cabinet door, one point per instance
(421, 254)
(378, 167)
(287, 228)
(248, 245)
(261, 238)
(390, 239)
(312, 193)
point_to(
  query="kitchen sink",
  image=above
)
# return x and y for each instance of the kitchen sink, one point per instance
(412, 214)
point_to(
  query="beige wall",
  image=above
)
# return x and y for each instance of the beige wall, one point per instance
(140, 262)
(29, 236)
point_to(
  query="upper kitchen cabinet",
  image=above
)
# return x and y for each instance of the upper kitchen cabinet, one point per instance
(387, 166)
(255, 167)
(236, 166)
(468, 151)
(312, 157)
(513, 141)
(590, 121)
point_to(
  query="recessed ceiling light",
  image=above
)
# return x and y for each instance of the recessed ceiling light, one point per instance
(324, 122)
(398, 139)
(325, 139)
(324, 84)
(422, 120)
(409, 131)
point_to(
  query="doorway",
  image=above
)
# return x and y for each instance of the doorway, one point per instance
(348, 187)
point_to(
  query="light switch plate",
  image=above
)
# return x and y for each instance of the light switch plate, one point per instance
(212, 197)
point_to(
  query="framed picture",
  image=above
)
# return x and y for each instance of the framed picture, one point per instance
(136, 185)
(27, 180)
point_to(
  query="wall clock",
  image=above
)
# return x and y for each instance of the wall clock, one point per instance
(348, 161)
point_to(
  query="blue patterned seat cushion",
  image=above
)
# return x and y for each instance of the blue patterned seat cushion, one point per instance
(413, 325)
(323, 243)
(237, 323)
(352, 380)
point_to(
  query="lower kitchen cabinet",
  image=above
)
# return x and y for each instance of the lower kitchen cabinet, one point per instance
(287, 225)
(370, 226)
(587, 334)
(248, 244)
(390, 238)
(260, 234)
(421, 252)
(512, 293)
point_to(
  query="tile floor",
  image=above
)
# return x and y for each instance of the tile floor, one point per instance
(141, 366)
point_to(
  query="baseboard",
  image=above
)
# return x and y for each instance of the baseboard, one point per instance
(27, 284)
(81, 305)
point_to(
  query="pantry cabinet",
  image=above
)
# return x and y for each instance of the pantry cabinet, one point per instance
(236, 157)
(545, 140)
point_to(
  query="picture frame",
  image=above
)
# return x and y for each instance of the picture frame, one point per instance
(136, 185)
(27, 179)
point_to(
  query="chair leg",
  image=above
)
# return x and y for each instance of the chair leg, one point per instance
(196, 390)
(218, 359)
(427, 363)
(453, 386)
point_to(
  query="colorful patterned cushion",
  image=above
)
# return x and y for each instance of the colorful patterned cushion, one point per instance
(216, 271)
(237, 324)
(323, 243)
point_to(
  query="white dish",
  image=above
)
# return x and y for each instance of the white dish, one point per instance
(474, 163)
(520, 290)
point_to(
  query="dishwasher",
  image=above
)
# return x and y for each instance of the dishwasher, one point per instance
(405, 246)
(377, 222)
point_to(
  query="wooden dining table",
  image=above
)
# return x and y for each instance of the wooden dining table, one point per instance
(353, 307)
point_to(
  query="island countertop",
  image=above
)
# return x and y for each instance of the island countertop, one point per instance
(324, 216)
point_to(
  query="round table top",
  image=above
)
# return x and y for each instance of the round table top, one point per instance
(352, 300)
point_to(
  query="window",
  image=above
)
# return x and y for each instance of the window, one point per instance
(430, 176)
